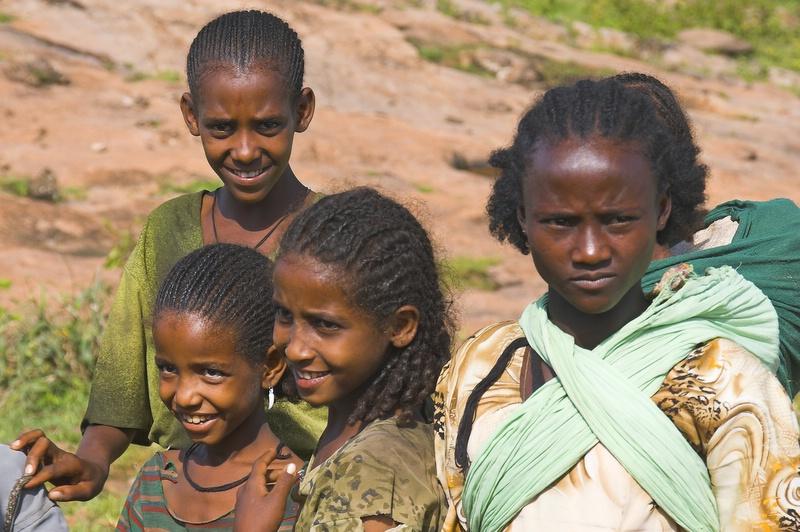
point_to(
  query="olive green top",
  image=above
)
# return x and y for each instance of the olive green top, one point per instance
(125, 384)
(385, 470)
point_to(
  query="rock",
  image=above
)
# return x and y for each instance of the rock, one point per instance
(98, 147)
(689, 60)
(716, 41)
(482, 167)
(784, 77)
(44, 187)
(36, 73)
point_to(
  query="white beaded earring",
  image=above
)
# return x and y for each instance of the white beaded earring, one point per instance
(270, 398)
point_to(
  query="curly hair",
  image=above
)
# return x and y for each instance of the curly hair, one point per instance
(608, 108)
(387, 261)
(228, 285)
(243, 39)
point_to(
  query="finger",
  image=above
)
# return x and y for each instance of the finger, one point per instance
(35, 456)
(82, 491)
(25, 439)
(48, 473)
(286, 480)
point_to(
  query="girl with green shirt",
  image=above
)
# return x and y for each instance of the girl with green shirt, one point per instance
(245, 102)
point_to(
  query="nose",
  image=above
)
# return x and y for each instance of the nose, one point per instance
(298, 350)
(245, 150)
(186, 394)
(591, 247)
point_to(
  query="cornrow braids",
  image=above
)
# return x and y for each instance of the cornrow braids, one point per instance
(228, 285)
(244, 39)
(610, 109)
(387, 261)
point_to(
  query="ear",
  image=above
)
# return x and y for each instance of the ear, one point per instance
(274, 368)
(304, 109)
(403, 326)
(664, 209)
(521, 219)
(189, 115)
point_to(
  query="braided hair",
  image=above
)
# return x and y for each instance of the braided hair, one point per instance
(244, 39)
(229, 286)
(387, 261)
(610, 109)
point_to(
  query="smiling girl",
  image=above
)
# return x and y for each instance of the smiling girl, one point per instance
(621, 410)
(366, 327)
(212, 325)
(245, 102)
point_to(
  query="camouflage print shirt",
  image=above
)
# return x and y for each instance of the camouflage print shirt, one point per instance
(385, 470)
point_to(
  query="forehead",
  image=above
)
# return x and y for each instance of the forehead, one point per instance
(305, 276)
(587, 171)
(191, 335)
(257, 88)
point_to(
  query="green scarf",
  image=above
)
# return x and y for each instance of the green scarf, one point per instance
(604, 395)
(766, 251)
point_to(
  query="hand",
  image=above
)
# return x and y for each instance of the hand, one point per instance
(258, 507)
(76, 479)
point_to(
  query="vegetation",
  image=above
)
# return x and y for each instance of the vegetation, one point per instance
(5, 18)
(47, 364)
(16, 185)
(471, 272)
(168, 76)
(458, 57)
(772, 27)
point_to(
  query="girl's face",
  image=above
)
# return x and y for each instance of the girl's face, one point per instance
(332, 347)
(591, 214)
(246, 122)
(212, 390)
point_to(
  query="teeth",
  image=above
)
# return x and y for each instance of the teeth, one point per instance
(310, 374)
(248, 175)
(195, 420)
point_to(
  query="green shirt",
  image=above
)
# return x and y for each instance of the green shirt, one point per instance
(125, 384)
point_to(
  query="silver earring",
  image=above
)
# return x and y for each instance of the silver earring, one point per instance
(270, 398)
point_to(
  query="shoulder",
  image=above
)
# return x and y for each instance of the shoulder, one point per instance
(474, 360)
(479, 352)
(181, 209)
(386, 470)
(717, 381)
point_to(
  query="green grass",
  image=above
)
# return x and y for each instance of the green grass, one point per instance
(16, 185)
(168, 76)
(770, 26)
(5, 284)
(554, 73)
(464, 272)
(5, 18)
(424, 188)
(458, 57)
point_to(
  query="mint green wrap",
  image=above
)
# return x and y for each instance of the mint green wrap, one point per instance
(603, 395)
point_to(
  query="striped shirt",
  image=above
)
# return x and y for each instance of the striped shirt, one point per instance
(146, 506)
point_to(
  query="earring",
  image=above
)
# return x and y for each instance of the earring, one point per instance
(270, 398)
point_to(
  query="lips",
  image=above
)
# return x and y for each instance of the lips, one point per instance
(594, 281)
(308, 381)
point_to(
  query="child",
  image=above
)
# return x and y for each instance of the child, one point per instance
(362, 317)
(749, 235)
(656, 412)
(245, 102)
(212, 327)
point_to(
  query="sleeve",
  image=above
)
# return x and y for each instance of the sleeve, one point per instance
(736, 413)
(131, 519)
(34, 510)
(119, 395)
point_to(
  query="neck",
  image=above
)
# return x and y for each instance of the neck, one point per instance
(287, 194)
(591, 329)
(661, 251)
(249, 438)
